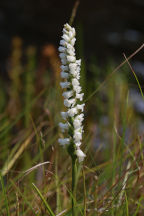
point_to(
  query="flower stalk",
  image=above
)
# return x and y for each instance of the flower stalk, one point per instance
(74, 178)
(73, 116)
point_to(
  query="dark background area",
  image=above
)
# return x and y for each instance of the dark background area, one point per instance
(108, 27)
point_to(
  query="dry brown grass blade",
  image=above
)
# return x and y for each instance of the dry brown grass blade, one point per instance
(35, 167)
(134, 75)
(74, 11)
(115, 70)
(125, 61)
(61, 213)
(9, 164)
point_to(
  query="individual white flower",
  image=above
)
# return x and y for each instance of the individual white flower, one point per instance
(69, 30)
(64, 84)
(77, 76)
(73, 41)
(78, 62)
(75, 82)
(80, 117)
(73, 111)
(63, 43)
(64, 61)
(80, 96)
(65, 32)
(67, 94)
(78, 69)
(64, 67)
(66, 37)
(71, 34)
(77, 123)
(61, 49)
(73, 69)
(64, 141)
(64, 115)
(70, 52)
(74, 32)
(78, 72)
(77, 89)
(62, 56)
(67, 26)
(81, 107)
(78, 144)
(69, 102)
(63, 126)
(64, 75)
(70, 47)
(80, 155)
(71, 58)
(77, 136)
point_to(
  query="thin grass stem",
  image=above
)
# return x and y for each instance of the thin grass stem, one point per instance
(74, 181)
(84, 187)
(74, 11)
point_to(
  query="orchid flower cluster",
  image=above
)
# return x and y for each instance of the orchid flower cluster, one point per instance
(70, 73)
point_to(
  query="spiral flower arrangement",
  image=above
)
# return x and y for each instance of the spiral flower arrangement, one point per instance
(73, 96)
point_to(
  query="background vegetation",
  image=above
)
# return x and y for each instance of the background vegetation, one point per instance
(110, 181)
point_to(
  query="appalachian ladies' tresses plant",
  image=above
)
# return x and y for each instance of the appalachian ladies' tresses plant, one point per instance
(71, 126)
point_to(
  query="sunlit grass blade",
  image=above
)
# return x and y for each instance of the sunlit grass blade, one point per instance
(8, 165)
(43, 200)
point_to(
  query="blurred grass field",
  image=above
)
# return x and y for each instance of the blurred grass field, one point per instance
(35, 172)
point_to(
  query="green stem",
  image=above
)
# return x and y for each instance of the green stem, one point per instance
(84, 187)
(74, 11)
(74, 176)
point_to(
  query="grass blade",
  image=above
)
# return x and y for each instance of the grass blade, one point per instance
(5, 195)
(43, 200)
